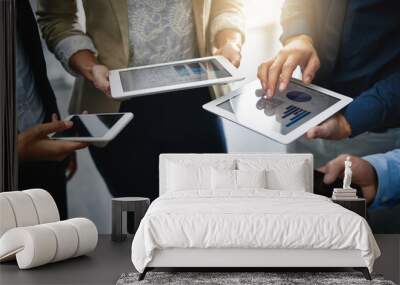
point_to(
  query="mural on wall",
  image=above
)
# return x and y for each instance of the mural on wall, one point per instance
(369, 180)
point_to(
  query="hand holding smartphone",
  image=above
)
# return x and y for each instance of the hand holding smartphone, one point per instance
(97, 129)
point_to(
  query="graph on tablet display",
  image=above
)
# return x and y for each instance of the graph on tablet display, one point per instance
(172, 74)
(298, 96)
(283, 113)
(286, 116)
(296, 114)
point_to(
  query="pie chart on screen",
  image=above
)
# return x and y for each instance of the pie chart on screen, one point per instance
(298, 96)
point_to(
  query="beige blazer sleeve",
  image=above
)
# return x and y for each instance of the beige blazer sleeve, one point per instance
(58, 20)
(227, 14)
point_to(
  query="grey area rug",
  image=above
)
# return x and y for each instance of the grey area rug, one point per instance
(268, 278)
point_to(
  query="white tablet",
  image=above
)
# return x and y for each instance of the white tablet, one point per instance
(159, 78)
(98, 129)
(285, 117)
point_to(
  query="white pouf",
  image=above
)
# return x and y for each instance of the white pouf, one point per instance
(31, 233)
(7, 218)
(23, 208)
(45, 205)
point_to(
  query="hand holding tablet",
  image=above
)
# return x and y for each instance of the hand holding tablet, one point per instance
(284, 117)
(161, 78)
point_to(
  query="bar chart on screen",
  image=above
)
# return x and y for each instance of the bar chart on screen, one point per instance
(294, 114)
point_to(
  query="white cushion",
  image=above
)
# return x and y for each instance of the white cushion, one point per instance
(231, 180)
(223, 179)
(23, 208)
(255, 179)
(37, 245)
(26, 208)
(186, 174)
(183, 178)
(7, 218)
(282, 174)
(66, 237)
(31, 246)
(87, 233)
(45, 205)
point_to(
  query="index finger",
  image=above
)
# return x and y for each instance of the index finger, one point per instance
(287, 71)
(334, 169)
(42, 130)
(311, 69)
(262, 74)
(274, 73)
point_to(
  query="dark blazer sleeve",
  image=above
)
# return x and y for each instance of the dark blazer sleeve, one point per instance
(377, 108)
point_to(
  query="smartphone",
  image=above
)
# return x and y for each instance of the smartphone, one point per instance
(97, 129)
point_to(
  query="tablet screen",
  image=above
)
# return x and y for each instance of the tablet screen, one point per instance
(90, 126)
(283, 113)
(173, 74)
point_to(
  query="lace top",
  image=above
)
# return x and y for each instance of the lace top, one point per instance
(160, 31)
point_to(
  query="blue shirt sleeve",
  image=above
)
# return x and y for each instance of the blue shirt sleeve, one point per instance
(376, 108)
(387, 167)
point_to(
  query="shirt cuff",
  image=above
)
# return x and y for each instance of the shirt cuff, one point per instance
(295, 27)
(69, 46)
(379, 163)
(227, 21)
(353, 120)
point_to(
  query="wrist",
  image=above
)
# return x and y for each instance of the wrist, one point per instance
(229, 37)
(304, 38)
(344, 126)
(233, 45)
(82, 62)
(374, 182)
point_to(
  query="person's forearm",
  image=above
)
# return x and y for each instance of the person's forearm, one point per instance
(226, 15)
(302, 37)
(228, 36)
(82, 62)
(376, 108)
(387, 168)
(71, 45)
(297, 19)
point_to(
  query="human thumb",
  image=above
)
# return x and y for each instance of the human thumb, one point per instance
(44, 130)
